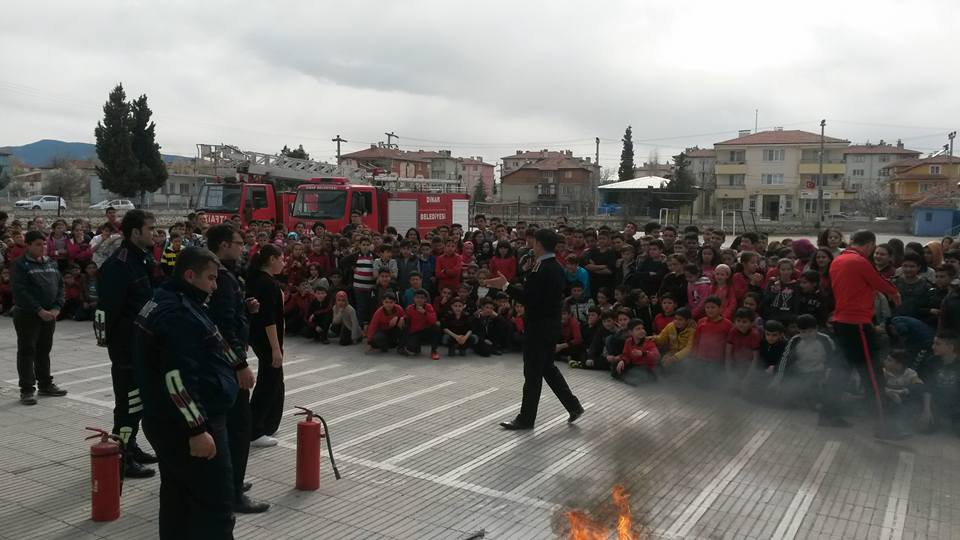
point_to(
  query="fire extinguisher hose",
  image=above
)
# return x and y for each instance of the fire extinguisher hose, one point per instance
(333, 463)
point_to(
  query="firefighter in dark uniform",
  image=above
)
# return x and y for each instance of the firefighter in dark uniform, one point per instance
(228, 310)
(186, 371)
(541, 293)
(124, 286)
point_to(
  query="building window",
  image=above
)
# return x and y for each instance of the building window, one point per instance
(883, 172)
(771, 179)
(753, 203)
(738, 155)
(568, 174)
(934, 169)
(859, 158)
(884, 158)
(184, 189)
(857, 172)
(922, 188)
(773, 154)
(928, 216)
(731, 204)
(736, 179)
(856, 187)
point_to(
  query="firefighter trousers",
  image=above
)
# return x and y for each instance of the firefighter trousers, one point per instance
(127, 408)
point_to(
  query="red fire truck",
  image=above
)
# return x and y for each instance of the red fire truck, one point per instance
(272, 192)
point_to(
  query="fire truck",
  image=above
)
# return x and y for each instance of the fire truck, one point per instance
(288, 191)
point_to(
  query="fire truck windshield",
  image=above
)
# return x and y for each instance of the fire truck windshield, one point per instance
(219, 198)
(320, 204)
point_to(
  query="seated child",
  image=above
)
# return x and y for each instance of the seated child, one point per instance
(902, 391)
(344, 321)
(676, 339)
(578, 303)
(941, 390)
(486, 326)
(596, 354)
(386, 325)
(457, 331)
(416, 284)
(615, 341)
(765, 366)
(320, 315)
(743, 345)
(709, 343)
(570, 346)
(801, 372)
(668, 304)
(638, 352)
(421, 326)
(516, 326)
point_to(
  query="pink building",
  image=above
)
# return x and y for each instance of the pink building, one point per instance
(472, 171)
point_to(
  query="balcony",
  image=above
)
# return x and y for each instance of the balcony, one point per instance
(812, 166)
(730, 167)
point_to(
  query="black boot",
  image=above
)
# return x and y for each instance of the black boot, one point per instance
(246, 506)
(137, 454)
(132, 469)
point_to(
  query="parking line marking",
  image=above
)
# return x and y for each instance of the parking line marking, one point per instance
(899, 498)
(440, 439)
(72, 370)
(416, 418)
(493, 453)
(573, 456)
(345, 395)
(790, 523)
(695, 510)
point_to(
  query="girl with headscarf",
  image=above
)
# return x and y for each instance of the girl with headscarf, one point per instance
(803, 249)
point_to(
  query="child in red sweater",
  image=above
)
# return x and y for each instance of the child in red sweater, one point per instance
(421, 323)
(709, 342)
(743, 346)
(449, 267)
(386, 325)
(504, 262)
(638, 352)
(668, 305)
(570, 346)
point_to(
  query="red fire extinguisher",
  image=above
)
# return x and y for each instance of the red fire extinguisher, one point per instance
(309, 433)
(106, 474)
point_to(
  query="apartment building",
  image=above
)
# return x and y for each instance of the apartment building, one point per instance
(774, 174)
(868, 165)
(913, 179)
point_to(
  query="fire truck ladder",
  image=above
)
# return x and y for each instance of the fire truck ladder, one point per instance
(225, 156)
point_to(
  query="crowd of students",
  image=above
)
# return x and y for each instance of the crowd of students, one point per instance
(752, 316)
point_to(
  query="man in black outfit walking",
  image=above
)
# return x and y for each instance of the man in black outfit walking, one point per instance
(228, 310)
(541, 293)
(124, 284)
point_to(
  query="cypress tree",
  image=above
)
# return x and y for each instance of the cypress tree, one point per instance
(626, 156)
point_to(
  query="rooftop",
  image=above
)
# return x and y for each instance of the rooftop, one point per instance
(879, 149)
(790, 136)
(701, 153)
(379, 152)
(538, 154)
(947, 197)
(935, 160)
(644, 182)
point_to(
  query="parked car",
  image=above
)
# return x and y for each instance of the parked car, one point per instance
(41, 202)
(116, 204)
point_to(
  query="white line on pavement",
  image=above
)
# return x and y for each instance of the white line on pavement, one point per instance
(90, 401)
(574, 455)
(345, 395)
(695, 510)
(65, 371)
(88, 379)
(457, 484)
(440, 439)
(285, 363)
(896, 512)
(287, 377)
(380, 405)
(493, 453)
(790, 523)
(328, 381)
(416, 418)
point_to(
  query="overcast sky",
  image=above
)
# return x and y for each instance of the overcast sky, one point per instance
(486, 78)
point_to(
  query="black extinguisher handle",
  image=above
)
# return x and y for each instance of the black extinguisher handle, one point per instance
(333, 463)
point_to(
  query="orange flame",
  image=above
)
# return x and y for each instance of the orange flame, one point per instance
(583, 527)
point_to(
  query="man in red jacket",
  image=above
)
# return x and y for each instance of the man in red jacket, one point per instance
(855, 281)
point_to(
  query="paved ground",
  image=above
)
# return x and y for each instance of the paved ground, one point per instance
(422, 458)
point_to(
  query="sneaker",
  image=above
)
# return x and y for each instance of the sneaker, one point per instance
(402, 351)
(264, 441)
(28, 398)
(52, 390)
(434, 355)
(576, 364)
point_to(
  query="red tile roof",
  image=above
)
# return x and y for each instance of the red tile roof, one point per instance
(792, 136)
(538, 154)
(471, 161)
(378, 152)
(701, 153)
(554, 164)
(936, 160)
(879, 149)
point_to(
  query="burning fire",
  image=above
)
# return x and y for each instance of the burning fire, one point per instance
(583, 527)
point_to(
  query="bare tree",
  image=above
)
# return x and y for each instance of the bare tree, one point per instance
(607, 174)
(874, 200)
(68, 182)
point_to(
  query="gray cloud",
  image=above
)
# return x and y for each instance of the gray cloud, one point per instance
(485, 77)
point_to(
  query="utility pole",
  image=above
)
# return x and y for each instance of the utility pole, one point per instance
(823, 125)
(950, 136)
(339, 140)
(390, 137)
(756, 120)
